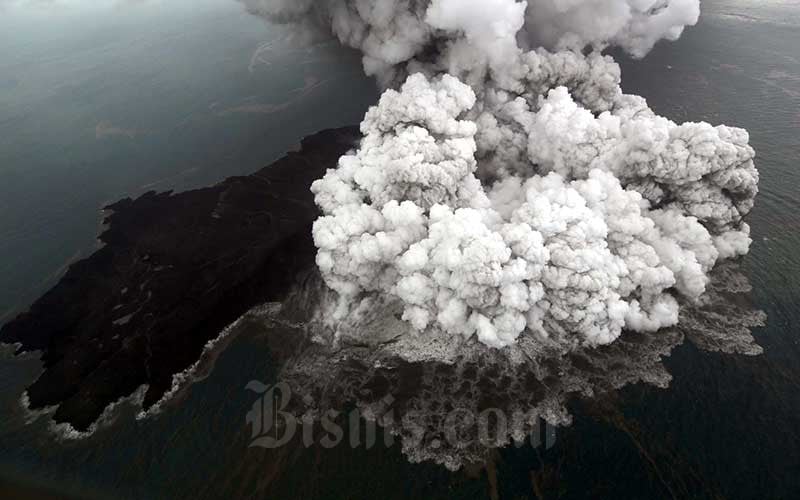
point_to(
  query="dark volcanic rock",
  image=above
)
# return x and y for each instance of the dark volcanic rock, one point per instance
(174, 271)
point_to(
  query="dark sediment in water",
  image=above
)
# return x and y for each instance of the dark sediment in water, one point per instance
(174, 270)
(432, 404)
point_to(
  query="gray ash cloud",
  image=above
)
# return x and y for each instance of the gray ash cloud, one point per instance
(506, 186)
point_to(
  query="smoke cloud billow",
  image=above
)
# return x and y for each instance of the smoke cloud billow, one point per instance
(505, 184)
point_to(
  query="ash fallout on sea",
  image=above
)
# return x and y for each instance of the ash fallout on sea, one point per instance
(505, 185)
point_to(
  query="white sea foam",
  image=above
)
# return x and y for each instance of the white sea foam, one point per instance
(194, 373)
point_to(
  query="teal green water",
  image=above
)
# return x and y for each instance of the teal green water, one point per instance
(728, 426)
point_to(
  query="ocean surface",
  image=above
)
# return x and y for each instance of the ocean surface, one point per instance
(103, 99)
(106, 99)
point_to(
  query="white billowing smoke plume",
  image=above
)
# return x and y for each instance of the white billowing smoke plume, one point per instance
(501, 190)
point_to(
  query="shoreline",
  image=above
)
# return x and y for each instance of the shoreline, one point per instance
(173, 272)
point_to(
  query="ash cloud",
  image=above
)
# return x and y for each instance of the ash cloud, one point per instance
(506, 186)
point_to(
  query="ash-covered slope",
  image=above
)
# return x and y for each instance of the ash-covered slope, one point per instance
(174, 271)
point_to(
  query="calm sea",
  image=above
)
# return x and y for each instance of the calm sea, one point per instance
(102, 99)
(111, 100)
